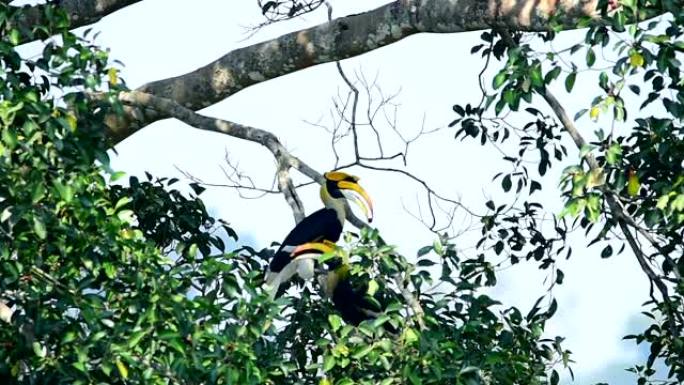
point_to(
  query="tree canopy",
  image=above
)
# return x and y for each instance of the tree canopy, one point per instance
(110, 279)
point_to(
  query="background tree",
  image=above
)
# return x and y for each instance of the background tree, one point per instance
(104, 283)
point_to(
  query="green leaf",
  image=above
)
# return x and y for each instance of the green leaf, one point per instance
(38, 193)
(116, 176)
(66, 192)
(586, 149)
(381, 320)
(372, 287)
(328, 363)
(506, 183)
(424, 250)
(607, 251)
(122, 202)
(536, 77)
(14, 36)
(39, 349)
(662, 202)
(613, 154)
(335, 321)
(633, 184)
(580, 113)
(499, 79)
(9, 137)
(123, 370)
(468, 369)
(135, 338)
(5, 215)
(555, 378)
(570, 81)
(362, 352)
(39, 228)
(552, 75)
(126, 216)
(409, 336)
(591, 57)
(438, 247)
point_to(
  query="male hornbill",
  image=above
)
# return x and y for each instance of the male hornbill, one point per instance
(323, 225)
(352, 302)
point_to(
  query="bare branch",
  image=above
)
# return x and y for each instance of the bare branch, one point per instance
(233, 185)
(287, 188)
(369, 162)
(355, 104)
(252, 134)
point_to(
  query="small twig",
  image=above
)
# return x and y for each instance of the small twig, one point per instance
(240, 131)
(355, 104)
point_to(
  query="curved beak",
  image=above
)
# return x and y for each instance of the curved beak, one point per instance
(365, 203)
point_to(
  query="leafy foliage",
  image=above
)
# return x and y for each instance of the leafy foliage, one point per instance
(469, 337)
(628, 178)
(134, 284)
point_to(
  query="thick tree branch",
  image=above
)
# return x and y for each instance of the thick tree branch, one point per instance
(80, 12)
(288, 189)
(348, 37)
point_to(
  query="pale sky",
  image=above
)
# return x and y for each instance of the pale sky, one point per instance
(155, 39)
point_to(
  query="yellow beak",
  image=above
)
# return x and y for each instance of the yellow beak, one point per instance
(366, 205)
(323, 247)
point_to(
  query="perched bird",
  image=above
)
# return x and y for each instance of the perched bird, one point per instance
(323, 225)
(353, 303)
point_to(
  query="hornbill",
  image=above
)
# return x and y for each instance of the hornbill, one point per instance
(323, 225)
(353, 304)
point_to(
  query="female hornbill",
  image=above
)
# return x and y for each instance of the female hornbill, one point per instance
(324, 225)
(353, 303)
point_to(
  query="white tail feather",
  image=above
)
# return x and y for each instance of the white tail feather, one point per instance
(303, 266)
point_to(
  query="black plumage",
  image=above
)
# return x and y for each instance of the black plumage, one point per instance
(321, 225)
(354, 305)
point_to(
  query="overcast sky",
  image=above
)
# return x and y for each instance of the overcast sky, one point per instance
(155, 39)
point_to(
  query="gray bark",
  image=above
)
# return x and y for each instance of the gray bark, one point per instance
(344, 38)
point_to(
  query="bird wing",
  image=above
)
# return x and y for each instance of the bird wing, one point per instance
(321, 225)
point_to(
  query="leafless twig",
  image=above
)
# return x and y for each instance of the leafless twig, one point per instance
(265, 138)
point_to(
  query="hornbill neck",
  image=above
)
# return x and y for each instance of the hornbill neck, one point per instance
(333, 202)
